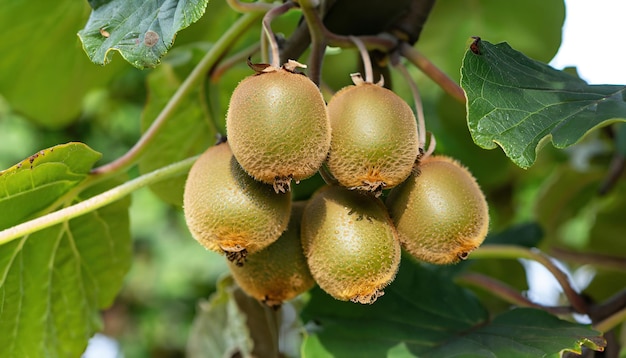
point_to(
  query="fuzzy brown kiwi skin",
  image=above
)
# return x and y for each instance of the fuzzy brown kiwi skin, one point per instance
(440, 212)
(227, 211)
(374, 138)
(278, 127)
(279, 272)
(351, 246)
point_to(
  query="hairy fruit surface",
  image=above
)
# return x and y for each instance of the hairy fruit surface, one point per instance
(279, 272)
(228, 211)
(278, 127)
(350, 243)
(374, 137)
(440, 212)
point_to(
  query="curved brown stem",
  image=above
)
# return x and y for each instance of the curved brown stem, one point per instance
(599, 260)
(519, 252)
(419, 108)
(267, 20)
(508, 293)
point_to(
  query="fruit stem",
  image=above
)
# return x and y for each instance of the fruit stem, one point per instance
(95, 202)
(318, 40)
(267, 21)
(209, 60)
(365, 56)
(433, 72)
(321, 37)
(419, 108)
(519, 252)
(508, 293)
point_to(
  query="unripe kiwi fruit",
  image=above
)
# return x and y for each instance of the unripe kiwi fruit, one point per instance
(374, 137)
(228, 211)
(278, 127)
(440, 212)
(351, 246)
(279, 272)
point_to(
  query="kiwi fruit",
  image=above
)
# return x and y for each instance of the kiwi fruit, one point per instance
(279, 272)
(278, 127)
(440, 211)
(351, 246)
(228, 211)
(374, 141)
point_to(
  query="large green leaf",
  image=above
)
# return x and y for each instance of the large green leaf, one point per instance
(186, 133)
(54, 282)
(45, 75)
(515, 102)
(424, 314)
(35, 184)
(141, 31)
(233, 324)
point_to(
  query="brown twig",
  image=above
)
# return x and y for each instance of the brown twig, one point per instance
(599, 260)
(519, 252)
(433, 72)
(508, 293)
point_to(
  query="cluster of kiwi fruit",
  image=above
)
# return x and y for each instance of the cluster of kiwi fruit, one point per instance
(345, 238)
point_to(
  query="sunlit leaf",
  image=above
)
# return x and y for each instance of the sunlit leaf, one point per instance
(54, 282)
(516, 102)
(141, 31)
(36, 183)
(423, 314)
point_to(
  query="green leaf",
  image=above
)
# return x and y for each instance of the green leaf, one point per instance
(424, 314)
(234, 324)
(186, 133)
(35, 184)
(141, 31)
(54, 282)
(516, 102)
(44, 74)
(522, 332)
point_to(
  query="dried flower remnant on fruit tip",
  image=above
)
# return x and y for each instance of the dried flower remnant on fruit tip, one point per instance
(282, 184)
(237, 257)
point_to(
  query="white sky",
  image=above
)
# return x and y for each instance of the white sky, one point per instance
(593, 40)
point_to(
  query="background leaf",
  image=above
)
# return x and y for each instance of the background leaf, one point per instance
(234, 324)
(141, 31)
(35, 184)
(44, 73)
(516, 102)
(499, 20)
(424, 314)
(54, 282)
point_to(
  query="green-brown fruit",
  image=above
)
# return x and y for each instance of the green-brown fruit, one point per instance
(279, 272)
(350, 243)
(440, 212)
(227, 211)
(278, 127)
(374, 138)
